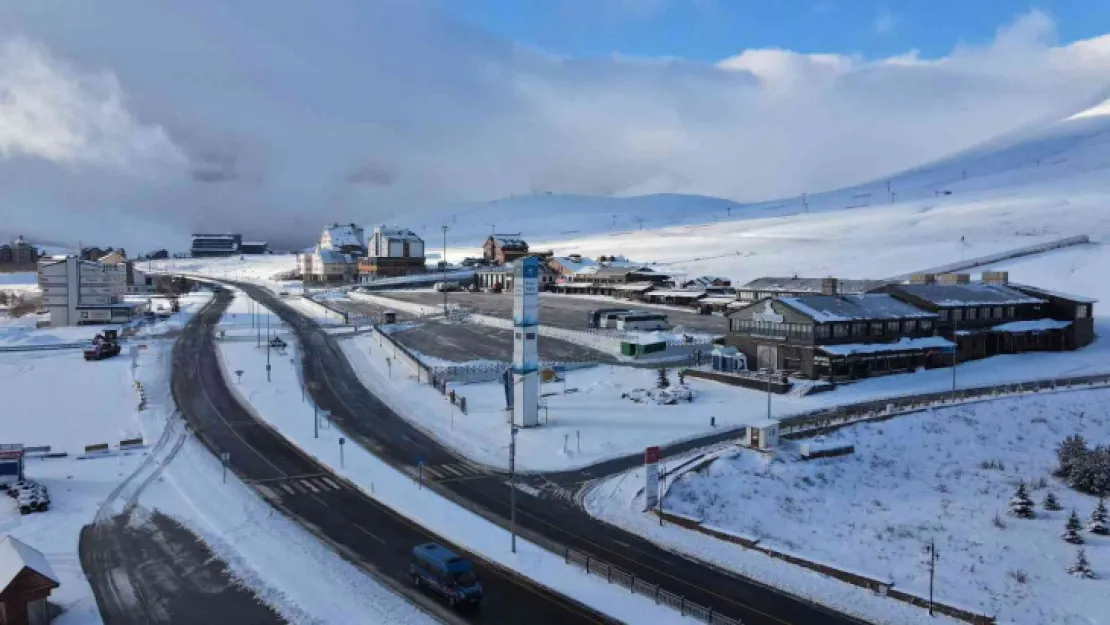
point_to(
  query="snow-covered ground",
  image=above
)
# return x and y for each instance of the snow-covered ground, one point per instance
(939, 475)
(286, 566)
(20, 282)
(261, 269)
(280, 404)
(612, 426)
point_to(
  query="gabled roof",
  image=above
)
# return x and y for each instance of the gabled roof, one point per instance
(16, 555)
(871, 306)
(976, 294)
(397, 233)
(810, 285)
(331, 256)
(345, 235)
(574, 266)
(509, 242)
(1039, 292)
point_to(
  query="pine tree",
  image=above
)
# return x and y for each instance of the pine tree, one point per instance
(1050, 502)
(1068, 452)
(1097, 523)
(664, 379)
(1021, 505)
(1081, 568)
(682, 378)
(1071, 530)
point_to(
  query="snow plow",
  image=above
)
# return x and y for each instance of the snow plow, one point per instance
(104, 345)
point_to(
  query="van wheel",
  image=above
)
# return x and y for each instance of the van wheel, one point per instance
(452, 601)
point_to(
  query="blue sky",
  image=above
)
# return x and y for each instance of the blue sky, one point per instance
(711, 30)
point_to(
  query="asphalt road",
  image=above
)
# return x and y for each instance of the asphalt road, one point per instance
(155, 571)
(359, 528)
(552, 514)
(562, 311)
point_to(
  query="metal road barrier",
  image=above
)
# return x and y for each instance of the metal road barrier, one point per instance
(43, 347)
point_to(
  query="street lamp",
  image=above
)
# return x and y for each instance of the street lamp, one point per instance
(512, 486)
(444, 270)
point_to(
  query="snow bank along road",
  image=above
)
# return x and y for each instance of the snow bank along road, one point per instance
(545, 512)
(362, 530)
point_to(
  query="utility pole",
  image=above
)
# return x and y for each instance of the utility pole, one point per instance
(955, 350)
(268, 349)
(805, 204)
(445, 270)
(933, 557)
(769, 371)
(512, 486)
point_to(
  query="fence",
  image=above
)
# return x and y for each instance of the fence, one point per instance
(489, 372)
(424, 373)
(828, 419)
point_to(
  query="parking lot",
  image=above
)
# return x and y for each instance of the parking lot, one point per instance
(566, 311)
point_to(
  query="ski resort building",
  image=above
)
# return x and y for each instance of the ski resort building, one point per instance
(326, 266)
(500, 249)
(345, 239)
(19, 252)
(392, 252)
(762, 288)
(26, 581)
(205, 245)
(80, 292)
(500, 277)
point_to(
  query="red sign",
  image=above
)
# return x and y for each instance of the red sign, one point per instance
(11, 455)
(651, 455)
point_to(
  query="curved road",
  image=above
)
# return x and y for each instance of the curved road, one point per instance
(553, 516)
(359, 528)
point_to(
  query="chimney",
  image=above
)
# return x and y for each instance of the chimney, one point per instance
(923, 278)
(954, 278)
(996, 277)
(828, 286)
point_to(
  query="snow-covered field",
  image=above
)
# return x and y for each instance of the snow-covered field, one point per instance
(611, 426)
(261, 269)
(286, 566)
(21, 282)
(939, 475)
(280, 404)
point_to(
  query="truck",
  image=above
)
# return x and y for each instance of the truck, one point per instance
(445, 573)
(104, 345)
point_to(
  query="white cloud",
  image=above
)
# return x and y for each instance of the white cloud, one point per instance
(281, 107)
(51, 111)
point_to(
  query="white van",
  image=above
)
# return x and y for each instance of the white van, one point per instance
(440, 287)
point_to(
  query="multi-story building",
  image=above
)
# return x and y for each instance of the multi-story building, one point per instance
(320, 265)
(504, 248)
(216, 245)
(79, 292)
(392, 252)
(762, 288)
(19, 252)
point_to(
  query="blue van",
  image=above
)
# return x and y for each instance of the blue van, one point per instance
(445, 572)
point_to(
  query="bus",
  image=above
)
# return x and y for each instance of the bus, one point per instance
(444, 572)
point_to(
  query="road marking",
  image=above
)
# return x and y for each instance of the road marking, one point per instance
(310, 486)
(369, 533)
(288, 488)
(431, 471)
(452, 469)
(332, 484)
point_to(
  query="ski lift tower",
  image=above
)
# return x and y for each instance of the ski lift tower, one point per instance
(526, 323)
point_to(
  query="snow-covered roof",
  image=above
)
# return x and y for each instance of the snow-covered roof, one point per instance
(810, 285)
(255, 243)
(216, 237)
(707, 280)
(718, 299)
(345, 235)
(976, 294)
(901, 345)
(871, 306)
(397, 233)
(634, 286)
(575, 265)
(1038, 291)
(509, 242)
(1034, 325)
(694, 293)
(16, 555)
(330, 256)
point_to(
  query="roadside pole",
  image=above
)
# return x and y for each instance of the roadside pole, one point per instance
(512, 488)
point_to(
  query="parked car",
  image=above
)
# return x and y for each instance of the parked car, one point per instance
(444, 572)
(440, 287)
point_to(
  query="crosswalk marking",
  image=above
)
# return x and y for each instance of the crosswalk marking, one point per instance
(288, 489)
(331, 483)
(455, 471)
(452, 469)
(433, 472)
(310, 485)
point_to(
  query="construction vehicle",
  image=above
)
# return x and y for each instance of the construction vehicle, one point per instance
(104, 345)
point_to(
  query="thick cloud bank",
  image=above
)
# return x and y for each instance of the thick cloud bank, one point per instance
(130, 122)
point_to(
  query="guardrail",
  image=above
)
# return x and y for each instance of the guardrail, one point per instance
(615, 575)
(43, 347)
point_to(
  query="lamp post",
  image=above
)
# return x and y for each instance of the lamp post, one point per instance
(955, 350)
(931, 550)
(444, 269)
(512, 487)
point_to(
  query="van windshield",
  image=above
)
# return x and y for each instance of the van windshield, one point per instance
(463, 578)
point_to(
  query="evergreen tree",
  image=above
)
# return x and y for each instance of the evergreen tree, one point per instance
(1021, 505)
(681, 378)
(1050, 502)
(1068, 452)
(1097, 523)
(1081, 568)
(664, 379)
(1071, 530)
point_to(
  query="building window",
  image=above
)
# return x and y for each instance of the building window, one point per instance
(943, 315)
(997, 312)
(1082, 312)
(892, 327)
(926, 325)
(971, 314)
(877, 328)
(822, 332)
(1010, 312)
(840, 330)
(985, 313)
(957, 314)
(859, 329)
(911, 325)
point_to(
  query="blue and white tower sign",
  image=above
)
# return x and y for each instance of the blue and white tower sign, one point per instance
(526, 360)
